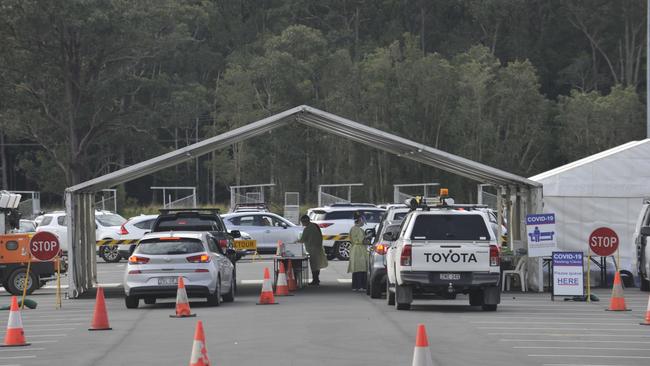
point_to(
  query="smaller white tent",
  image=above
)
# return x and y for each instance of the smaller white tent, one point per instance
(605, 189)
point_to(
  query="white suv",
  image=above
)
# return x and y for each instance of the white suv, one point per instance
(335, 222)
(108, 227)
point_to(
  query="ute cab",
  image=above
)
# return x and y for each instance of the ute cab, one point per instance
(444, 250)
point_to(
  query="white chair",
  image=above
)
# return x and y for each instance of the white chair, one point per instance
(519, 271)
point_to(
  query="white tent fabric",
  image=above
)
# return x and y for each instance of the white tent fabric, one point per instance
(605, 189)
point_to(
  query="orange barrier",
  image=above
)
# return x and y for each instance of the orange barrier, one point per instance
(617, 302)
(182, 303)
(266, 297)
(199, 352)
(281, 287)
(291, 278)
(647, 314)
(100, 316)
(15, 336)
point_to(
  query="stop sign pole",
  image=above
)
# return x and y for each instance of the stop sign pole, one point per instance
(44, 246)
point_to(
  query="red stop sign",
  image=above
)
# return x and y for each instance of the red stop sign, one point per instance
(44, 246)
(603, 241)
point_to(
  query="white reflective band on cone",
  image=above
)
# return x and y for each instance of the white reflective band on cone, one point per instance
(422, 357)
(15, 320)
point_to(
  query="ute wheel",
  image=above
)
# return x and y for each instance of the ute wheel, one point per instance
(398, 294)
(109, 253)
(131, 302)
(342, 250)
(16, 282)
(215, 299)
(149, 300)
(230, 296)
(489, 307)
(390, 296)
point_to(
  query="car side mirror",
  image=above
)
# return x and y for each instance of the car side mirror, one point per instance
(645, 231)
(284, 225)
(235, 234)
(388, 236)
(370, 233)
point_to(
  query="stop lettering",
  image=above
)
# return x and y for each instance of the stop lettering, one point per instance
(44, 246)
(603, 241)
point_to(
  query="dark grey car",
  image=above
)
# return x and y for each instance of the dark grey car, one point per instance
(377, 259)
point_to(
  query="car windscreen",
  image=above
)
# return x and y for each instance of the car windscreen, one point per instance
(195, 223)
(110, 219)
(398, 216)
(170, 247)
(450, 227)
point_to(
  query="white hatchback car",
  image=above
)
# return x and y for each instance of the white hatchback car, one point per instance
(161, 258)
(264, 227)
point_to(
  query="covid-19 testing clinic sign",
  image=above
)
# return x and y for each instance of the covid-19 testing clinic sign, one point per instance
(568, 274)
(542, 238)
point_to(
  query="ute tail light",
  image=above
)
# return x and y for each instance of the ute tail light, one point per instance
(325, 224)
(381, 249)
(201, 270)
(405, 257)
(135, 271)
(123, 230)
(138, 260)
(201, 258)
(495, 260)
(223, 243)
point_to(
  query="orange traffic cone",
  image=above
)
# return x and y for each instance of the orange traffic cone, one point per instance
(281, 287)
(15, 335)
(647, 314)
(199, 352)
(266, 297)
(617, 302)
(291, 278)
(100, 317)
(421, 353)
(182, 303)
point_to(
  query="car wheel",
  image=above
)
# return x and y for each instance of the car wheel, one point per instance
(645, 284)
(230, 296)
(215, 299)
(110, 253)
(398, 294)
(149, 300)
(489, 307)
(374, 288)
(16, 282)
(342, 250)
(390, 296)
(131, 302)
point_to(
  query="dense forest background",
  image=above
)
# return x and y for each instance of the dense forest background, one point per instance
(90, 86)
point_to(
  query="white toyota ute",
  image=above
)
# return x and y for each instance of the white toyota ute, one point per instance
(444, 251)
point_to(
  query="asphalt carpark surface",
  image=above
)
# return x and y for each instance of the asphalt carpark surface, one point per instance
(332, 325)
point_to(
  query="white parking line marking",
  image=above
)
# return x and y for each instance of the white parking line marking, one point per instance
(344, 280)
(583, 348)
(53, 325)
(39, 342)
(16, 357)
(594, 356)
(20, 349)
(48, 335)
(573, 329)
(28, 320)
(252, 282)
(573, 364)
(570, 341)
(558, 323)
(569, 334)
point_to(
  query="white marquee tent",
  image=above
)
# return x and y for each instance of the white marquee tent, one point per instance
(605, 189)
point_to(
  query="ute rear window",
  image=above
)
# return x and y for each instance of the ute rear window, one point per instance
(450, 227)
(188, 224)
(170, 247)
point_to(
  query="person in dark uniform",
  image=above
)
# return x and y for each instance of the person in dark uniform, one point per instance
(312, 237)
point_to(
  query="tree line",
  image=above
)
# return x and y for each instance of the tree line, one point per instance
(90, 86)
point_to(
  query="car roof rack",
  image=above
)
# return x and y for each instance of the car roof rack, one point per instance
(348, 204)
(165, 211)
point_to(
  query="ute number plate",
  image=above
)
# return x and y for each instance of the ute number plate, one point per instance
(450, 276)
(168, 281)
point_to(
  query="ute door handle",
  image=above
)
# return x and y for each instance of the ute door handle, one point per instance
(268, 231)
